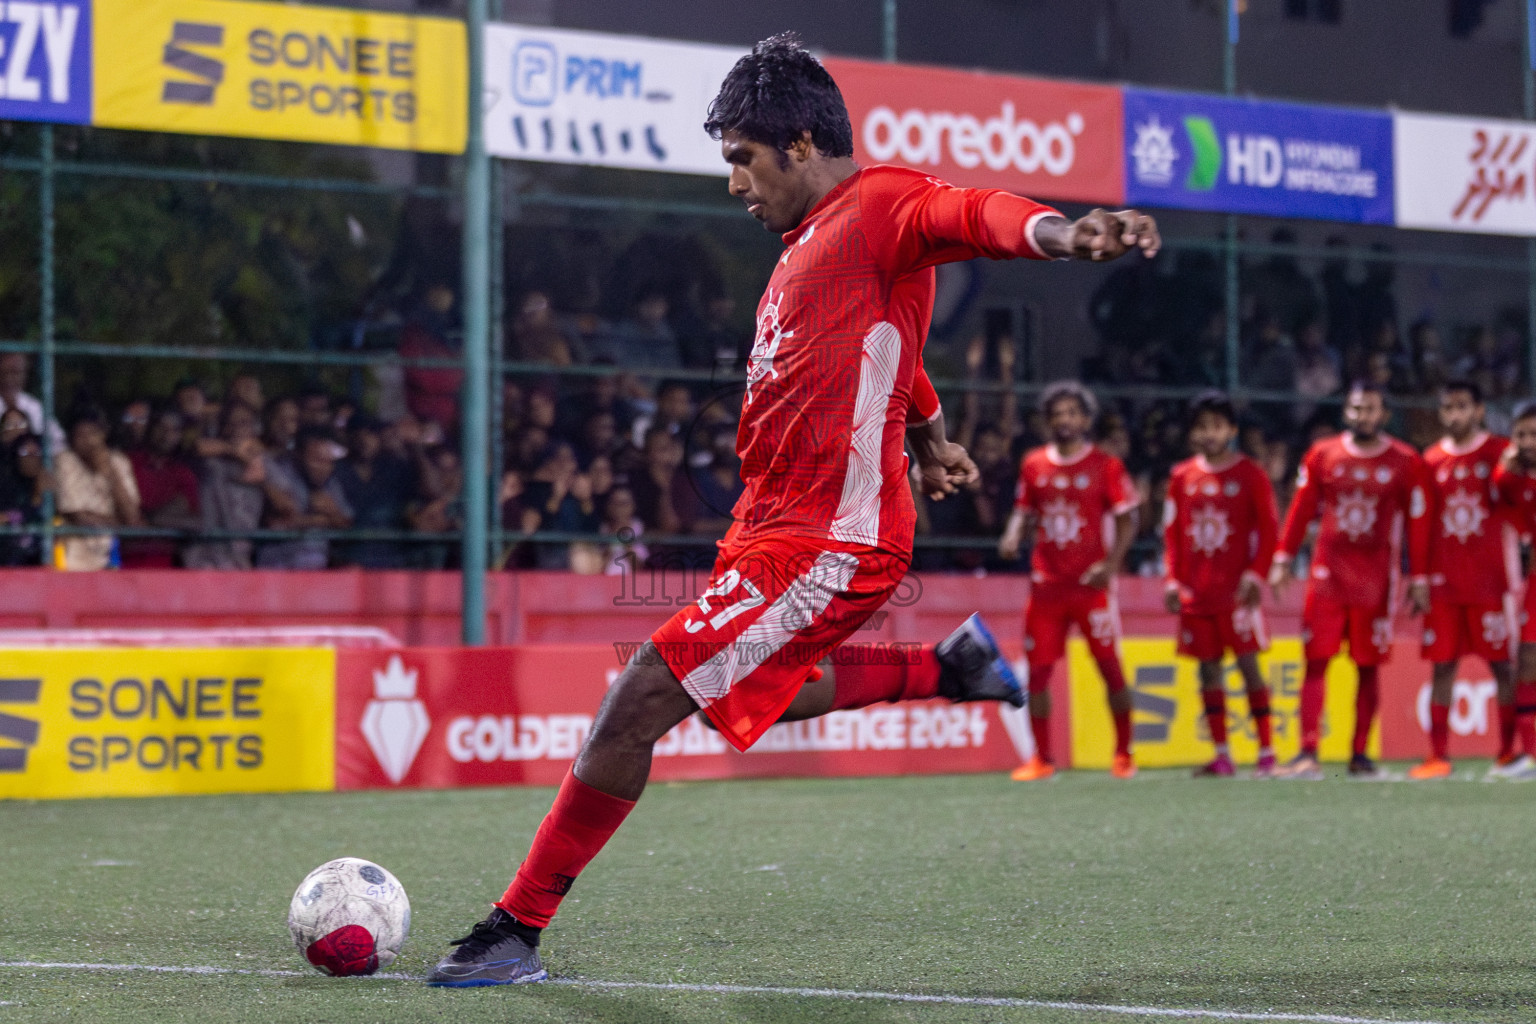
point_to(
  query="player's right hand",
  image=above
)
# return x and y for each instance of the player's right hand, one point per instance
(1279, 576)
(1008, 547)
(1171, 600)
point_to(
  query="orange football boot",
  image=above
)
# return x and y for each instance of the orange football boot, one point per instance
(1432, 768)
(1124, 767)
(1036, 769)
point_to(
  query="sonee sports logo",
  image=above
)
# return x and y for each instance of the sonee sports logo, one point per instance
(178, 58)
(16, 729)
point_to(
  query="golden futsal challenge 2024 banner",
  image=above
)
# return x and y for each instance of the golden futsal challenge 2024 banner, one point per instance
(274, 71)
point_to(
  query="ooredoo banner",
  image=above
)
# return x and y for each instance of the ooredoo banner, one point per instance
(279, 71)
(1033, 136)
(45, 61)
(573, 97)
(444, 717)
(124, 722)
(1197, 152)
(1466, 174)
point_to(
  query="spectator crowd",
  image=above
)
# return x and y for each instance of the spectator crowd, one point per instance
(607, 464)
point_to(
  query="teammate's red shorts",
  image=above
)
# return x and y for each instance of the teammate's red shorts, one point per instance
(1454, 630)
(1238, 629)
(775, 607)
(1054, 608)
(1326, 622)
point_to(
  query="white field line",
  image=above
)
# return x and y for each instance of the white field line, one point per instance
(768, 990)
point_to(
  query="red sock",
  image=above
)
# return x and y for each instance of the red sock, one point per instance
(1215, 702)
(1258, 707)
(576, 827)
(1366, 699)
(863, 675)
(1439, 730)
(1114, 682)
(1506, 730)
(1525, 716)
(1040, 725)
(1314, 692)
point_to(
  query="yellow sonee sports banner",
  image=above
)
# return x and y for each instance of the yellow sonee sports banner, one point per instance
(117, 722)
(1169, 721)
(275, 71)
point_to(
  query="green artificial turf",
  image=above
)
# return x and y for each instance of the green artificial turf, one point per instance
(1380, 900)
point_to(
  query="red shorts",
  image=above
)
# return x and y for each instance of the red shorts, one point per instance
(1327, 622)
(1054, 608)
(775, 607)
(1238, 629)
(1452, 631)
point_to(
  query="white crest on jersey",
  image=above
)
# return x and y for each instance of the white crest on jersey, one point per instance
(766, 345)
(1463, 516)
(1209, 530)
(1356, 513)
(1061, 522)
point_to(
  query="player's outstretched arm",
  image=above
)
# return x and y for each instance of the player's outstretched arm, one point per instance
(1098, 235)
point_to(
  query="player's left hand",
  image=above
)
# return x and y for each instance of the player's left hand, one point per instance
(1098, 576)
(1249, 592)
(1418, 597)
(1109, 234)
(945, 470)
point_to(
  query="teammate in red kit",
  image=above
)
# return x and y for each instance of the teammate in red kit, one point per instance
(1219, 531)
(1474, 567)
(1515, 481)
(1081, 505)
(823, 531)
(1366, 488)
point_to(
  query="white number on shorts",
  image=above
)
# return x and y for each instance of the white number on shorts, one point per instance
(724, 587)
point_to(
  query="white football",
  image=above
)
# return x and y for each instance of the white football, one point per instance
(349, 916)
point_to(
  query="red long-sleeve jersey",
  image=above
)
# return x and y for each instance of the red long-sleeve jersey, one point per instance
(1366, 499)
(835, 373)
(1219, 525)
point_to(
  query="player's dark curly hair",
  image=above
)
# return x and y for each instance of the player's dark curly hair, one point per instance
(777, 93)
(1074, 390)
(1466, 386)
(1215, 402)
(1524, 411)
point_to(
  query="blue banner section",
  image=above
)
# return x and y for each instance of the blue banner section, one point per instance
(45, 61)
(1195, 152)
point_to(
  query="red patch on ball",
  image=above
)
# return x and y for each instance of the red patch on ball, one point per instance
(346, 952)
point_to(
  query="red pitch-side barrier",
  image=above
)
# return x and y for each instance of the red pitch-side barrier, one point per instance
(566, 627)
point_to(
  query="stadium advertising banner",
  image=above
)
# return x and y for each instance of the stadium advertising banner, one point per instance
(1466, 174)
(608, 100)
(1169, 720)
(1033, 136)
(447, 717)
(45, 61)
(1196, 152)
(122, 722)
(1405, 686)
(278, 71)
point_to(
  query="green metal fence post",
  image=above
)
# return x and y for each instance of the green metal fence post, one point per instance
(498, 361)
(476, 307)
(1231, 299)
(45, 354)
(888, 31)
(1529, 81)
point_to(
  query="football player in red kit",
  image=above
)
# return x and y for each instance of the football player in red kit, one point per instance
(1366, 488)
(1474, 566)
(823, 531)
(1219, 531)
(1082, 506)
(1516, 485)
